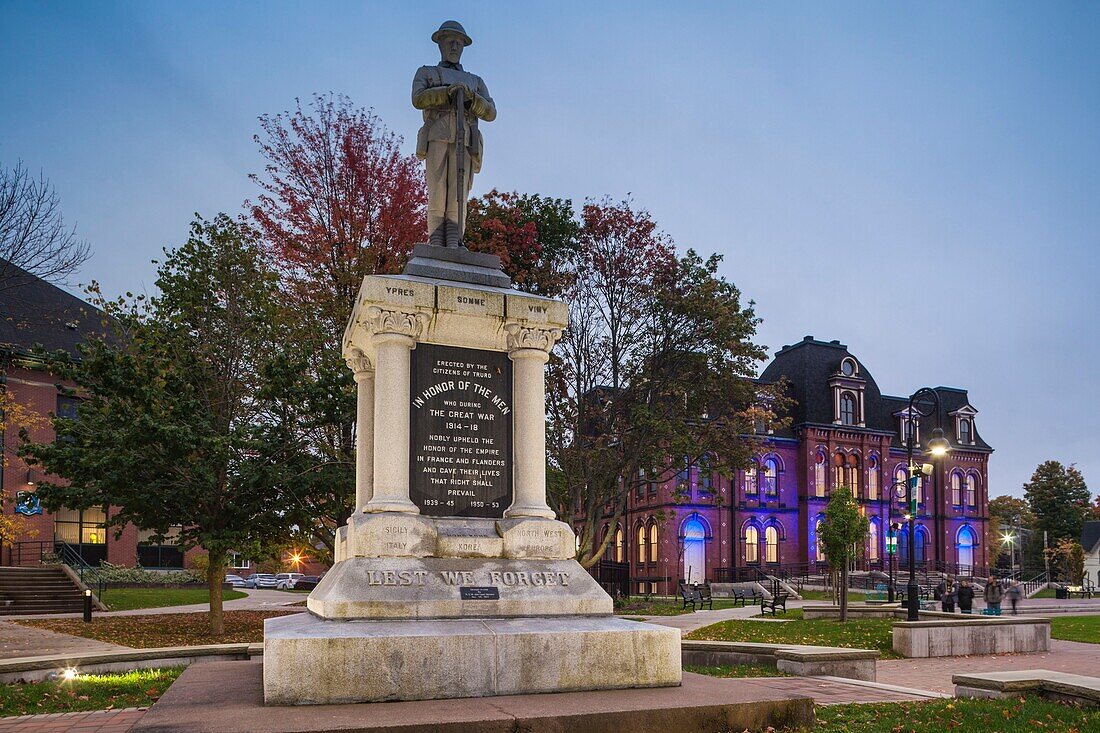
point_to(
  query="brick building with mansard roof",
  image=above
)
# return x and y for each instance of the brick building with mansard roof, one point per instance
(843, 431)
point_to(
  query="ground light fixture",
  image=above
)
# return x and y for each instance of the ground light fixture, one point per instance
(68, 674)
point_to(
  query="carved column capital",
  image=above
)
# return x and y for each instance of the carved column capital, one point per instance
(379, 321)
(531, 337)
(359, 363)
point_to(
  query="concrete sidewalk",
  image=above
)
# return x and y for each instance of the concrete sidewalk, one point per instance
(25, 641)
(688, 622)
(934, 673)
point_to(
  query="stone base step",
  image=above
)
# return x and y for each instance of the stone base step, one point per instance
(226, 697)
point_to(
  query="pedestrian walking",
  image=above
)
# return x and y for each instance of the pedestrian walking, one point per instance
(993, 594)
(948, 595)
(1014, 593)
(966, 596)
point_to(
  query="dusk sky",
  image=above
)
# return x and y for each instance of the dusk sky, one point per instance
(920, 181)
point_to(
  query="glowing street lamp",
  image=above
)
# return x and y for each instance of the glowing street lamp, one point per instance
(925, 397)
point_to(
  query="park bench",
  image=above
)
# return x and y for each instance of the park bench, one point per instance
(779, 600)
(688, 595)
(739, 596)
(704, 597)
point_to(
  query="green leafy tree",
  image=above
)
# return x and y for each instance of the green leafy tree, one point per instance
(843, 535)
(1060, 499)
(176, 429)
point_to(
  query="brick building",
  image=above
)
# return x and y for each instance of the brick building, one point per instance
(843, 431)
(34, 312)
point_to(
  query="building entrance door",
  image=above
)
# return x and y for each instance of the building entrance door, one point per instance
(695, 552)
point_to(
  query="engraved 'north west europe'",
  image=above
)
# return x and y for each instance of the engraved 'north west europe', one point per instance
(509, 578)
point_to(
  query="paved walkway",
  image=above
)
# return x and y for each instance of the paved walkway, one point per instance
(105, 721)
(259, 599)
(688, 622)
(25, 641)
(835, 691)
(935, 673)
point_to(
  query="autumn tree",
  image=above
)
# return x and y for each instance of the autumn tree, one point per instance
(534, 236)
(653, 374)
(843, 535)
(1059, 499)
(175, 428)
(34, 238)
(339, 201)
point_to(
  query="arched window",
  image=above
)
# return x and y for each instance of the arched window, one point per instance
(964, 430)
(706, 475)
(852, 479)
(903, 545)
(956, 489)
(872, 478)
(872, 540)
(609, 548)
(653, 542)
(771, 540)
(900, 478)
(639, 489)
(640, 557)
(839, 464)
(819, 546)
(752, 544)
(771, 477)
(847, 409)
(750, 479)
(971, 490)
(619, 549)
(819, 474)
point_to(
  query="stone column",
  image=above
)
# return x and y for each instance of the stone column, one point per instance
(529, 350)
(364, 428)
(394, 338)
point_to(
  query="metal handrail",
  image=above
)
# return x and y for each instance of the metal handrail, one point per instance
(88, 574)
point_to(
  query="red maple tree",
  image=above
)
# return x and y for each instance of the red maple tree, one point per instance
(340, 200)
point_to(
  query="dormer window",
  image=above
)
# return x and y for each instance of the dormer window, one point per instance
(848, 367)
(964, 431)
(847, 409)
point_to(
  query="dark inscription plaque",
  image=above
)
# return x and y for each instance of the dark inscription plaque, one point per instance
(479, 593)
(461, 432)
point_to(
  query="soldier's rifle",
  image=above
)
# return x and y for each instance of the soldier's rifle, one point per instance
(460, 158)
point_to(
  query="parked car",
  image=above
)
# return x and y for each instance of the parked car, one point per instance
(286, 580)
(236, 581)
(261, 580)
(307, 582)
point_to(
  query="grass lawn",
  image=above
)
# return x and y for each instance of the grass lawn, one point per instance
(736, 670)
(167, 629)
(124, 599)
(1076, 628)
(1026, 715)
(1044, 593)
(137, 689)
(871, 633)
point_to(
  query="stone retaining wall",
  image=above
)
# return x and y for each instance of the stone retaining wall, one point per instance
(957, 637)
(804, 661)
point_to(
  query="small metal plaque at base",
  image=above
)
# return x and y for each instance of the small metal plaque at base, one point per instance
(479, 593)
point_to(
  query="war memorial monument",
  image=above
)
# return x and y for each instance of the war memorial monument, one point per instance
(453, 578)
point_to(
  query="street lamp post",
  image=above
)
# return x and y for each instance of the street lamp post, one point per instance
(937, 446)
(891, 554)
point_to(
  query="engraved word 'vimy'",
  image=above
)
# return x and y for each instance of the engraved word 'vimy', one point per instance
(450, 144)
(453, 576)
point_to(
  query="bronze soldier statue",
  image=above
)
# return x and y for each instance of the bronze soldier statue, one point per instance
(449, 142)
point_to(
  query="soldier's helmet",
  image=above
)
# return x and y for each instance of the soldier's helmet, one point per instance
(452, 26)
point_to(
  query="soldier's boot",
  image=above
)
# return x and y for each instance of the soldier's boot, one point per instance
(454, 237)
(438, 237)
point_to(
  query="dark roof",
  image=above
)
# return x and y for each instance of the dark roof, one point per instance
(809, 365)
(1090, 535)
(35, 312)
